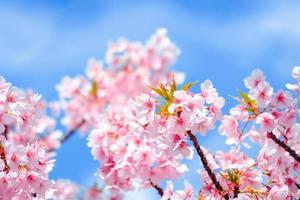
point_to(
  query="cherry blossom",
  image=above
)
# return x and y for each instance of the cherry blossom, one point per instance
(142, 127)
(24, 171)
(65, 190)
(103, 85)
(130, 144)
(295, 87)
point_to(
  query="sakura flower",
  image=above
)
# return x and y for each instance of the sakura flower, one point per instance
(233, 159)
(229, 127)
(296, 73)
(255, 79)
(5, 119)
(278, 192)
(26, 171)
(256, 136)
(267, 122)
(103, 86)
(240, 112)
(65, 190)
(262, 94)
(93, 193)
(186, 194)
(282, 99)
(168, 193)
(295, 87)
(208, 92)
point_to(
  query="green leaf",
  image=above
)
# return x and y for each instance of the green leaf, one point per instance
(157, 91)
(233, 176)
(187, 86)
(94, 89)
(247, 100)
(173, 87)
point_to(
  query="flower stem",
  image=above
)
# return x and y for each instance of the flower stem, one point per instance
(205, 164)
(284, 146)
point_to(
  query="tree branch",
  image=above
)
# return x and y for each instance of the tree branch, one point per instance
(284, 146)
(69, 134)
(5, 131)
(297, 185)
(158, 189)
(2, 151)
(236, 191)
(3, 157)
(205, 164)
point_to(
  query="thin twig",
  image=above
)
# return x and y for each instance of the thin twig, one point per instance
(205, 164)
(284, 146)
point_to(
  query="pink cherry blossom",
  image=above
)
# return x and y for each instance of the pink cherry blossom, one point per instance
(103, 86)
(65, 190)
(208, 92)
(267, 122)
(295, 87)
(255, 79)
(240, 113)
(142, 129)
(262, 94)
(229, 127)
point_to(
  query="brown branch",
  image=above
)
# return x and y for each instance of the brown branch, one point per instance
(284, 146)
(2, 150)
(204, 161)
(236, 191)
(5, 131)
(297, 185)
(3, 157)
(69, 133)
(158, 189)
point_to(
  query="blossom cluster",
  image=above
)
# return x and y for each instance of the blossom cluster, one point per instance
(271, 118)
(146, 146)
(25, 121)
(24, 163)
(147, 142)
(142, 127)
(128, 69)
(67, 190)
(24, 171)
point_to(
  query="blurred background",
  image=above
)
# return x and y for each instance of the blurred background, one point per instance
(41, 41)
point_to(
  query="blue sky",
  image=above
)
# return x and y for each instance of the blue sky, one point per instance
(40, 42)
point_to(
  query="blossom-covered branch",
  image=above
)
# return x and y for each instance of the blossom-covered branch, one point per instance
(205, 164)
(140, 136)
(159, 189)
(284, 146)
